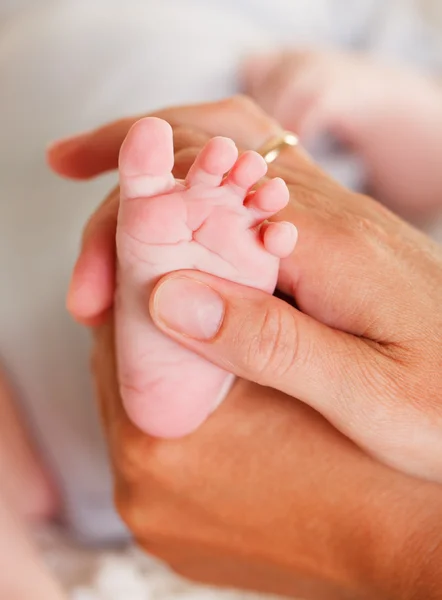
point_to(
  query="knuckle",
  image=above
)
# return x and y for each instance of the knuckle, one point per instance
(372, 231)
(369, 220)
(273, 351)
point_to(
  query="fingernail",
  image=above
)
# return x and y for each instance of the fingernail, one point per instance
(189, 307)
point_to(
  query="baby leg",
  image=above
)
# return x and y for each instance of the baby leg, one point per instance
(25, 482)
(23, 574)
(209, 223)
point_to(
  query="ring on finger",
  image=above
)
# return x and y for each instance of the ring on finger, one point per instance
(271, 150)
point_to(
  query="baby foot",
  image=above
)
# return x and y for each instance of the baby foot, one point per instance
(208, 222)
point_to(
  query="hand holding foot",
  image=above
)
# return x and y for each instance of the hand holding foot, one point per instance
(209, 222)
(365, 351)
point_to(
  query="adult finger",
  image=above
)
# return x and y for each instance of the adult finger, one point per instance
(95, 152)
(348, 268)
(265, 340)
(92, 285)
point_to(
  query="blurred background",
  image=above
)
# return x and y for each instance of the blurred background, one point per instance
(69, 65)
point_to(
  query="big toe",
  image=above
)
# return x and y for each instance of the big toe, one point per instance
(147, 158)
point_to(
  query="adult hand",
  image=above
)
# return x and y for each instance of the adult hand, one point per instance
(365, 351)
(96, 152)
(268, 496)
(93, 153)
(389, 115)
(364, 347)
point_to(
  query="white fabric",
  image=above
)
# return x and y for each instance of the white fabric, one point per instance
(124, 574)
(67, 65)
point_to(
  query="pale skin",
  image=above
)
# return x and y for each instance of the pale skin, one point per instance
(26, 483)
(23, 573)
(209, 221)
(28, 495)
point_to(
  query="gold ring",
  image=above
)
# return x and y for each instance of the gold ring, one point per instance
(273, 148)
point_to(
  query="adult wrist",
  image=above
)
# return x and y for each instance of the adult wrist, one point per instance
(386, 544)
(406, 545)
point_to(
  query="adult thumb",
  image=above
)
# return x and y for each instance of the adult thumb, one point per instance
(260, 338)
